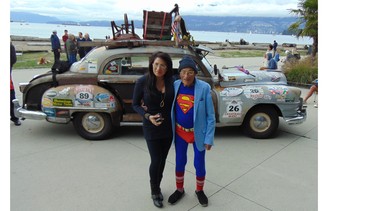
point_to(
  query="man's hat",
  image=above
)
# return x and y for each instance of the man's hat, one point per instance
(187, 61)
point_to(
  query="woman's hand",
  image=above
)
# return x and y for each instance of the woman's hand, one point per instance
(156, 119)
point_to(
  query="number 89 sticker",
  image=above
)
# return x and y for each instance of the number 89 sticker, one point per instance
(233, 110)
(84, 99)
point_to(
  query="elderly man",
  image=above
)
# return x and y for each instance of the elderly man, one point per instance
(193, 122)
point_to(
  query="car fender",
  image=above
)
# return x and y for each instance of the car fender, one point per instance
(60, 103)
(233, 103)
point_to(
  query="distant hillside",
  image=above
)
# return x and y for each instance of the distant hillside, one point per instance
(256, 25)
(30, 17)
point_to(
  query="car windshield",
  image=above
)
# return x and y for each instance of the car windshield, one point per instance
(89, 61)
(208, 66)
(93, 55)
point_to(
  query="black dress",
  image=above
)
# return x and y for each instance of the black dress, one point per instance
(156, 103)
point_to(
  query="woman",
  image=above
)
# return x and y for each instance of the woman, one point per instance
(71, 46)
(267, 57)
(152, 98)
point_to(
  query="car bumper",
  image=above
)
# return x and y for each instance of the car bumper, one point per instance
(301, 116)
(26, 114)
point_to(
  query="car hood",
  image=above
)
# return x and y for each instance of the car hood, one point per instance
(237, 75)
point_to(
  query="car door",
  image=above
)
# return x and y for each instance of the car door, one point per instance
(119, 75)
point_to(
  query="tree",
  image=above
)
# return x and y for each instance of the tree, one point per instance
(307, 22)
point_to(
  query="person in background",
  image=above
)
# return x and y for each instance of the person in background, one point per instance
(152, 99)
(56, 46)
(13, 60)
(277, 56)
(309, 50)
(313, 88)
(87, 39)
(289, 58)
(267, 58)
(81, 50)
(65, 37)
(71, 46)
(274, 47)
(193, 122)
(272, 63)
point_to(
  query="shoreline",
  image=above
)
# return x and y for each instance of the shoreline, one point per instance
(27, 44)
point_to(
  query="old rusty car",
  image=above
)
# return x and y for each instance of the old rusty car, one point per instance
(96, 92)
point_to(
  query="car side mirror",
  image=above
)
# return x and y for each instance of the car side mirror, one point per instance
(215, 69)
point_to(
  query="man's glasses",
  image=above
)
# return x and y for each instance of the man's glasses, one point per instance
(189, 73)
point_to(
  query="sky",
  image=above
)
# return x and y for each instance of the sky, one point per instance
(91, 10)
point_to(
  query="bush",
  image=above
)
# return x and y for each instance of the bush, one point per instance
(302, 71)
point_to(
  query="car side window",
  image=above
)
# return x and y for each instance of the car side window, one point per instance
(113, 67)
(136, 65)
(126, 63)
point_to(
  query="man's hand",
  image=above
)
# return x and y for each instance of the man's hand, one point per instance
(208, 147)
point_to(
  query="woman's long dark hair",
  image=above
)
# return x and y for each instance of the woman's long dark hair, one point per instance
(151, 78)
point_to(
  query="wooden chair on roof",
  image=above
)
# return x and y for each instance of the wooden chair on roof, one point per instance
(122, 32)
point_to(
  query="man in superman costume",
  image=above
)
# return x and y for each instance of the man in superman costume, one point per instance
(193, 122)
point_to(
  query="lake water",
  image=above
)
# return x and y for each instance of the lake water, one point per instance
(43, 30)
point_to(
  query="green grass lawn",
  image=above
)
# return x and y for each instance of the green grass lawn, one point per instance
(30, 60)
(240, 53)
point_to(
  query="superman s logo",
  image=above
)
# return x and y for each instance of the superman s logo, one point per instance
(186, 102)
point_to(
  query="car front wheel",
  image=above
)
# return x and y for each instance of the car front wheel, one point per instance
(92, 125)
(261, 123)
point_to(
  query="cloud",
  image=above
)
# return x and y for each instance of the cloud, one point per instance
(115, 9)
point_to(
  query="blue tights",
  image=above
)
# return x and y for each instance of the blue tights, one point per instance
(181, 157)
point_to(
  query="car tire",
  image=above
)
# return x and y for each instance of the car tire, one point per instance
(93, 125)
(261, 122)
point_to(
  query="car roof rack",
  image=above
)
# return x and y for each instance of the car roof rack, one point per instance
(113, 44)
(135, 43)
(157, 31)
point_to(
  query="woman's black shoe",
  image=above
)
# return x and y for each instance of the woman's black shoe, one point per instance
(161, 197)
(158, 202)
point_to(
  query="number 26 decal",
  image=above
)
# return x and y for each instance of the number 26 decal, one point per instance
(233, 108)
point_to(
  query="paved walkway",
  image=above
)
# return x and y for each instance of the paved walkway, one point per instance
(52, 168)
